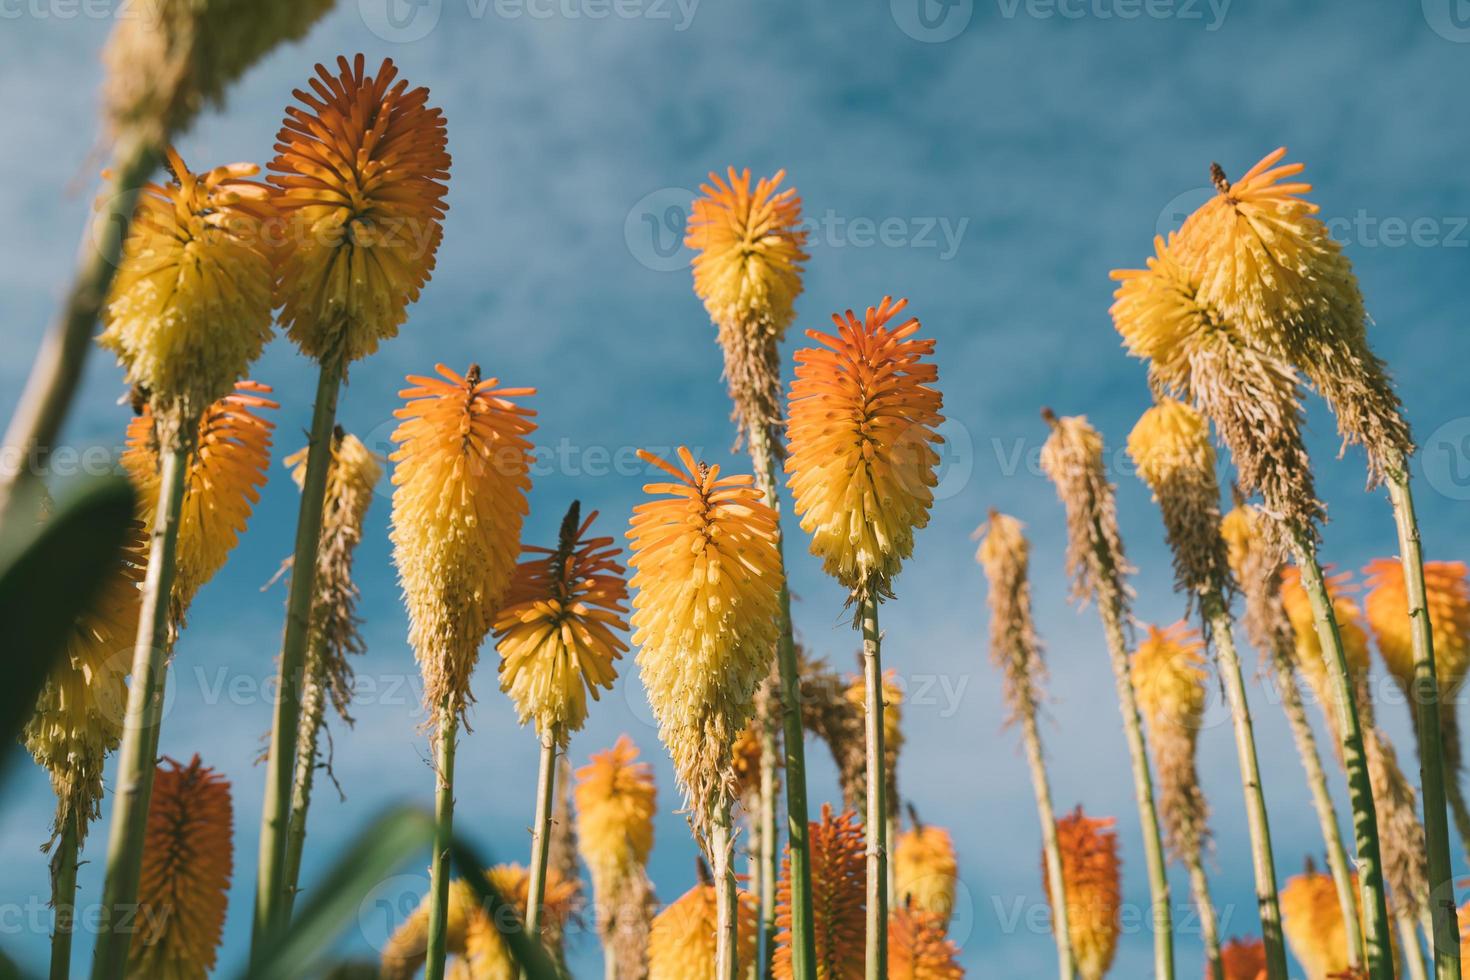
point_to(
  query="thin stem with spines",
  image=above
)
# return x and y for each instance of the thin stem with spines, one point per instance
(1378, 954)
(437, 946)
(139, 751)
(1446, 936)
(1217, 617)
(272, 888)
(804, 944)
(541, 834)
(1110, 611)
(876, 828)
(312, 715)
(1306, 747)
(64, 893)
(727, 911)
(1209, 927)
(1056, 883)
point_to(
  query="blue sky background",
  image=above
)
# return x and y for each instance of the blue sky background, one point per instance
(1051, 140)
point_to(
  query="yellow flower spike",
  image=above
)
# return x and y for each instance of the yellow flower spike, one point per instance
(861, 435)
(362, 168)
(681, 944)
(1447, 596)
(190, 307)
(1169, 676)
(472, 935)
(748, 273)
(1090, 870)
(839, 873)
(1170, 445)
(616, 803)
(1264, 258)
(458, 502)
(1311, 917)
(708, 576)
(226, 473)
(925, 871)
(557, 631)
(187, 864)
(1244, 959)
(78, 718)
(918, 948)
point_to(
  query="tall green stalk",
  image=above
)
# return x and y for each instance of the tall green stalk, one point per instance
(1413, 957)
(1377, 950)
(1109, 610)
(1217, 617)
(437, 947)
(804, 947)
(1306, 747)
(541, 835)
(138, 754)
(766, 864)
(272, 898)
(1056, 883)
(1426, 717)
(64, 895)
(313, 712)
(727, 910)
(1209, 926)
(876, 828)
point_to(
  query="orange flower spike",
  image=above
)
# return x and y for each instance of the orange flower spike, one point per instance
(1090, 871)
(681, 944)
(863, 411)
(459, 500)
(1244, 959)
(187, 863)
(918, 948)
(226, 473)
(839, 873)
(1447, 595)
(362, 169)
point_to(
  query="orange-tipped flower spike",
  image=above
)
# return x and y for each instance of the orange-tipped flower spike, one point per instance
(190, 307)
(1312, 919)
(681, 944)
(1169, 675)
(861, 437)
(708, 577)
(1447, 596)
(362, 168)
(78, 718)
(925, 871)
(458, 502)
(1090, 870)
(1243, 959)
(748, 272)
(838, 880)
(918, 948)
(226, 473)
(558, 630)
(187, 864)
(616, 802)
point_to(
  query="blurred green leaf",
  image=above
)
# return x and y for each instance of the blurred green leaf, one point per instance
(49, 572)
(373, 855)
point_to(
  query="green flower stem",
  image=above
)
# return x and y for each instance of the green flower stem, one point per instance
(138, 754)
(312, 714)
(1056, 884)
(722, 846)
(877, 823)
(541, 835)
(766, 865)
(1379, 955)
(1209, 927)
(439, 861)
(1426, 718)
(272, 891)
(64, 895)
